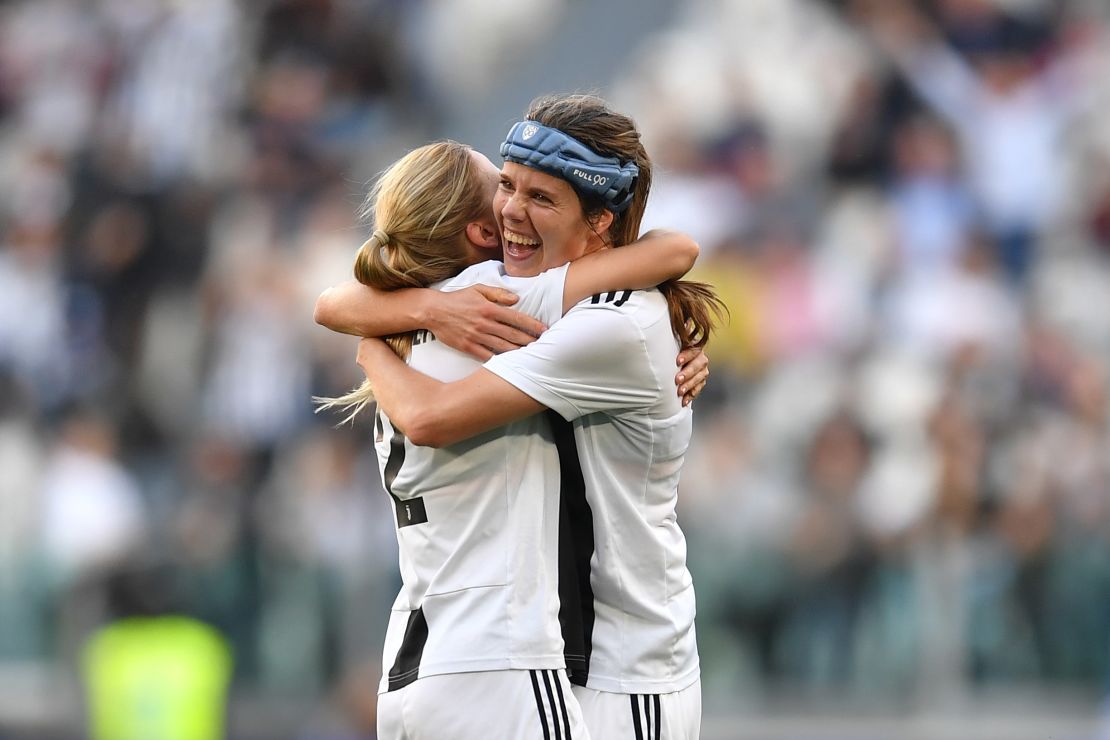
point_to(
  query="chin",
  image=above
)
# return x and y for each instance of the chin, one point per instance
(527, 267)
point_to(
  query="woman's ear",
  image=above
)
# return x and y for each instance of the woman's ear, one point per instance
(482, 235)
(601, 223)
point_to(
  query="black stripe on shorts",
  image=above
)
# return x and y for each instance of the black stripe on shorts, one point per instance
(562, 703)
(647, 723)
(539, 705)
(636, 723)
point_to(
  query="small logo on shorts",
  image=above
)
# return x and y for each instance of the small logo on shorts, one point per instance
(529, 132)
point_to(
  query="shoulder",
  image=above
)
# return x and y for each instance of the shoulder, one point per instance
(490, 272)
(634, 307)
(615, 321)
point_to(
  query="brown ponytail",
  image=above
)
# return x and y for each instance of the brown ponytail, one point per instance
(694, 307)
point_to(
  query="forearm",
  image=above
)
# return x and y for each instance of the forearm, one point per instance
(654, 258)
(405, 395)
(434, 414)
(353, 308)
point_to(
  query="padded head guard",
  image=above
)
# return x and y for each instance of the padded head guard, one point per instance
(550, 150)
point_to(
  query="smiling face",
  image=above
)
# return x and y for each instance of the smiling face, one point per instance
(541, 220)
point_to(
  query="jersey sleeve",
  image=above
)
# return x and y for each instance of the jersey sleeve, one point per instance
(594, 359)
(541, 297)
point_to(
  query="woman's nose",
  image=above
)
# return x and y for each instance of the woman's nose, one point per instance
(512, 209)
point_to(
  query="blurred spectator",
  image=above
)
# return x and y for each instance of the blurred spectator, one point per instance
(898, 490)
(92, 509)
(33, 343)
(151, 671)
(933, 212)
(1009, 108)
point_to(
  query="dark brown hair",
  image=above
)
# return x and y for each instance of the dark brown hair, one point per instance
(694, 307)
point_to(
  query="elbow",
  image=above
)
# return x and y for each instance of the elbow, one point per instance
(422, 428)
(687, 254)
(323, 313)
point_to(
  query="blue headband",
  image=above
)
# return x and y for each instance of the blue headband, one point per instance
(553, 152)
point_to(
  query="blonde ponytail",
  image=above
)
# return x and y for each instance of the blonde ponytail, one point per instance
(421, 206)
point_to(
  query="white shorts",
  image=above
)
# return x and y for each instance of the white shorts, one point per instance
(484, 705)
(674, 716)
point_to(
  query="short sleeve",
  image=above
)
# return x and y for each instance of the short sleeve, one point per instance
(595, 359)
(540, 297)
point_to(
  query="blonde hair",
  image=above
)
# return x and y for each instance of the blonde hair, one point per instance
(421, 206)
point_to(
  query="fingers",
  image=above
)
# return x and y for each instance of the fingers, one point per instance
(695, 391)
(497, 295)
(692, 375)
(693, 363)
(496, 345)
(696, 380)
(477, 351)
(516, 324)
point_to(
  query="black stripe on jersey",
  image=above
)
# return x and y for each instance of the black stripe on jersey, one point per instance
(395, 461)
(406, 666)
(409, 511)
(636, 724)
(576, 549)
(658, 719)
(562, 703)
(551, 703)
(611, 297)
(539, 705)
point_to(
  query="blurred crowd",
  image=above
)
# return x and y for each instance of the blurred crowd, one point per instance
(899, 486)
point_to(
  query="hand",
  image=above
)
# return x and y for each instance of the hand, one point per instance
(475, 320)
(693, 372)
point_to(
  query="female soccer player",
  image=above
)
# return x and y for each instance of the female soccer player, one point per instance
(473, 648)
(575, 180)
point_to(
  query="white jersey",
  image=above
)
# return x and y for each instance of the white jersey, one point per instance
(477, 539)
(607, 367)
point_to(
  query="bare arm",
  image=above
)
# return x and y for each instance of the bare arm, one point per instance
(655, 257)
(353, 308)
(434, 414)
(474, 320)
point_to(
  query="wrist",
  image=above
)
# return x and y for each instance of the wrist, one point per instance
(427, 313)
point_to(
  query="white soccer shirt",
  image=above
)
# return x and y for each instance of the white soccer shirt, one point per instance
(478, 546)
(607, 367)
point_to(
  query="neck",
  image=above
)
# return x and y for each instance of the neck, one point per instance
(475, 254)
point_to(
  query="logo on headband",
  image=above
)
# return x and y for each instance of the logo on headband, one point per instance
(595, 179)
(529, 131)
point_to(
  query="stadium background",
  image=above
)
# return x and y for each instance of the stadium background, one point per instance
(898, 498)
